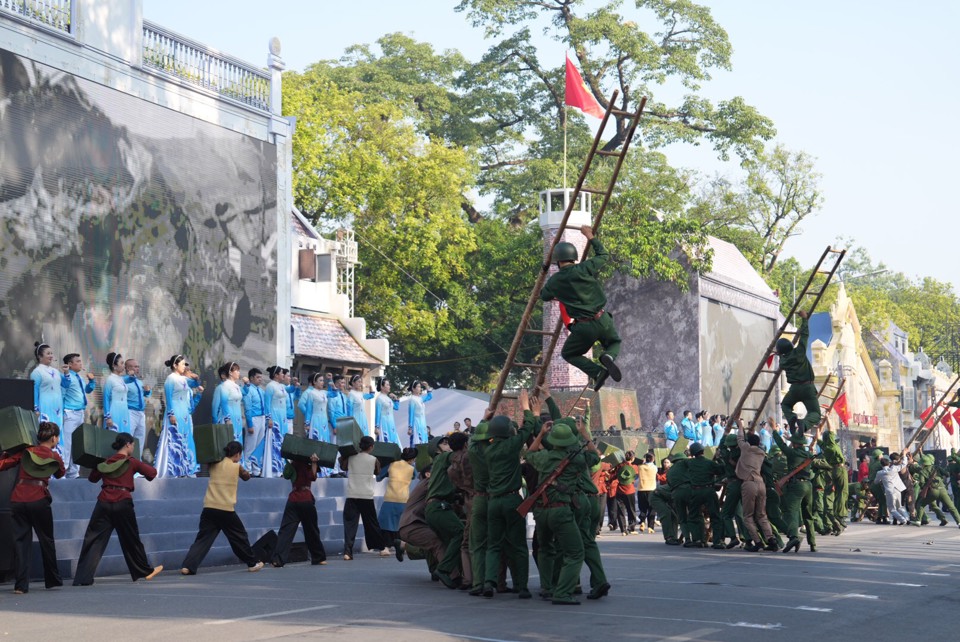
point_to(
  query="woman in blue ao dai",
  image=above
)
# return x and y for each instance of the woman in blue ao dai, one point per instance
(228, 400)
(176, 452)
(386, 404)
(313, 405)
(357, 410)
(275, 399)
(47, 391)
(417, 413)
(116, 413)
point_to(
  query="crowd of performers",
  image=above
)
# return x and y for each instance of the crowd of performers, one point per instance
(259, 406)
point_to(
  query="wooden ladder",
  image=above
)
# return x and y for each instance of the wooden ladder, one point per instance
(919, 437)
(604, 193)
(764, 378)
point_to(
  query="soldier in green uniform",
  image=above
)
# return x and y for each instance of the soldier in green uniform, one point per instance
(478, 512)
(588, 512)
(838, 480)
(557, 526)
(798, 492)
(799, 372)
(442, 516)
(577, 287)
(703, 479)
(774, 467)
(932, 491)
(506, 530)
(678, 481)
(661, 500)
(953, 470)
(728, 453)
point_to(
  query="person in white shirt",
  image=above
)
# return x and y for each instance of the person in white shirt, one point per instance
(361, 470)
(889, 478)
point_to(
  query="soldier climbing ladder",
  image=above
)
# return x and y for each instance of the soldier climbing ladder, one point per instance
(605, 194)
(764, 378)
(927, 426)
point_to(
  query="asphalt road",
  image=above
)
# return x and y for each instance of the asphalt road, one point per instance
(864, 585)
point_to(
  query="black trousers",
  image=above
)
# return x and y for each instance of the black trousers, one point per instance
(645, 512)
(295, 514)
(626, 514)
(34, 517)
(107, 517)
(353, 511)
(212, 523)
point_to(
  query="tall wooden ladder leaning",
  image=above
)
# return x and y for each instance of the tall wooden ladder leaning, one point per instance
(605, 194)
(919, 437)
(764, 378)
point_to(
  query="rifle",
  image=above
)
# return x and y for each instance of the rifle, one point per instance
(527, 505)
(778, 487)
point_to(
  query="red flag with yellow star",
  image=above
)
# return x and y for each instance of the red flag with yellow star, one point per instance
(578, 95)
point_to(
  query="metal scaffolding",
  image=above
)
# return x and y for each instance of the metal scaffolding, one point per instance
(346, 264)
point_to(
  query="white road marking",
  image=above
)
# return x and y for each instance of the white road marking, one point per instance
(860, 596)
(937, 574)
(908, 584)
(274, 614)
(750, 625)
(813, 608)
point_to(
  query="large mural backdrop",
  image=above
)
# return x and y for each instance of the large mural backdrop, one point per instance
(127, 226)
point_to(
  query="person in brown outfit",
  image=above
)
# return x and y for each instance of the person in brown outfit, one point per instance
(754, 492)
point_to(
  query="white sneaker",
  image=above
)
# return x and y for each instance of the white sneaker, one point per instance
(385, 553)
(256, 567)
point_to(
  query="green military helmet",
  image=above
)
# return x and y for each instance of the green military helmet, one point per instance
(784, 346)
(730, 440)
(433, 446)
(565, 252)
(798, 439)
(774, 449)
(928, 460)
(677, 456)
(877, 453)
(500, 427)
(480, 432)
(696, 448)
(562, 436)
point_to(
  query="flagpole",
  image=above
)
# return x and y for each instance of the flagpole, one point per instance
(564, 152)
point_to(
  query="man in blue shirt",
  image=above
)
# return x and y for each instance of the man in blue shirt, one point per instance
(137, 393)
(255, 418)
(690, 427)
(670, 430)
(74, 407)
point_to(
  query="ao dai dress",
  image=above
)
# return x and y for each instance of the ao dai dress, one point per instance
(275, 399)
(417, 418)
(48, 393)
(176, 452)
(356, 399)
(115, 405)
(228, 404)
(313, 405)
(384, 420)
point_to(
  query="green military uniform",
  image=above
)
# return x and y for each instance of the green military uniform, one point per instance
(838, 479)
(703, 478)
(557, 526)
(478, 512)
(862, 500)
(678, 479)
(798, 493)
(661, 500)
(773, 469)
(933, 492)
(953, 470)
(589, 511)
(506, 530)
(577, 287)
(876, 488)
(819, 481)
(728, 453)
(799, 374)
(442, 518)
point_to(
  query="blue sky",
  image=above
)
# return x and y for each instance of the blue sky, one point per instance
(869, 89)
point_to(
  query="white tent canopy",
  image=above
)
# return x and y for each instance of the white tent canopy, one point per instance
(447, 406)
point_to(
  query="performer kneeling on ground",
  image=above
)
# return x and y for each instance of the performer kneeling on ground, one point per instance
(219, 514)
(114, 510)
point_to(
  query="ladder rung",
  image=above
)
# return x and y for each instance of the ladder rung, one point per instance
(506, 396)
(751, 409)
(604, 152)
(833, 251)
(546, 333)
(527, 365)
(620, 112)
(768, 372)
(813, 293)
(824, 271)
(593, 190)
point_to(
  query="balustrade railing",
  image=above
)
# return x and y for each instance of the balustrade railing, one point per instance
(53, 14)
(193, 62)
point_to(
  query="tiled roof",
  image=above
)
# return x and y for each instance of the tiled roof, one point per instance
(326, 338)
(732, 267)
(299, 229)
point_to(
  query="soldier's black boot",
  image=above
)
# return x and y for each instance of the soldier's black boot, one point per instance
(611, 366)
(772, 545)
(794, 543)
(751, 547)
